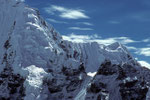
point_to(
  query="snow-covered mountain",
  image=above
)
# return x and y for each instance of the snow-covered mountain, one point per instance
(37, 64)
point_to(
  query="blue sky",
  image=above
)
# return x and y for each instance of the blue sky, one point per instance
(105, 21)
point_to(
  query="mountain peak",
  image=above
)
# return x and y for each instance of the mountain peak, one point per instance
(47, 67)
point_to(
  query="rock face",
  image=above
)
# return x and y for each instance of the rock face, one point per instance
(37, 64)
(11, 85)
(118, 82)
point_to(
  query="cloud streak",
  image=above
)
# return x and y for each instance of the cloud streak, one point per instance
(146, 40)
(81, 29)
(66, 13)
(141, 16)
(114, 22)
(96, 38)
(21, 0)
(143, 51)
(56, 21)
(85, 23)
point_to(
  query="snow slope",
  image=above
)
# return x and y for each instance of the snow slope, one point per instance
(35, 42)
(48, 67)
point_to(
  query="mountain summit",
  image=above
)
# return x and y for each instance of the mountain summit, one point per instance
(37, 64)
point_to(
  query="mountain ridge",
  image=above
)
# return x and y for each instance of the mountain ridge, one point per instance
(47, 67)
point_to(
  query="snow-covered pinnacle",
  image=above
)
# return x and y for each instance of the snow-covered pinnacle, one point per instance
(28, 35)
(32, 52)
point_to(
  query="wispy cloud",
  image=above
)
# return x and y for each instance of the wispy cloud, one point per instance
(114, 22)
(141, 16)
(144, 64)
(66, 13)
(56, 21)
(80, 38)
(143, 51)
(85, 23)
(97, 38)
(146, 40)
(132, 48)
(21, 0)
(79, 28)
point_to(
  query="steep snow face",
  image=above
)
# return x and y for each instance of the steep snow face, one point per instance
(27, 35)
(93, 54)
(26, 41)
